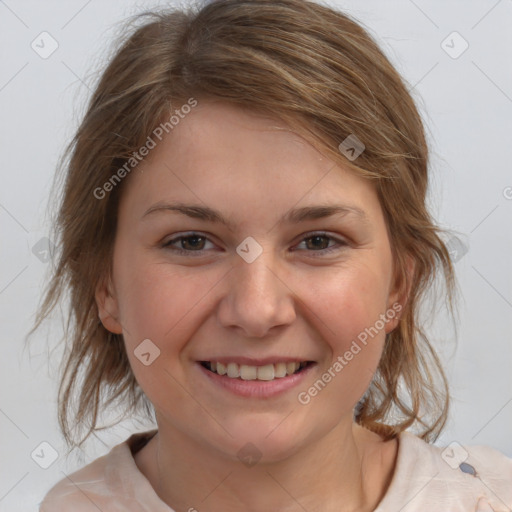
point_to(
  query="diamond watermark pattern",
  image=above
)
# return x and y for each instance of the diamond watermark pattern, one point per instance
(146, 352)
(249, 455)
(351, 147)
(457, 248)
(454, 454)
(249, 249)
(454, 45)
(44, 45)
(44, 455)
(43, 249)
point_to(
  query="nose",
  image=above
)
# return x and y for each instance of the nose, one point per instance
(257, 298)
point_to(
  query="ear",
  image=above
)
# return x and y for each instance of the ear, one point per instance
(108, 308)
(399, 295)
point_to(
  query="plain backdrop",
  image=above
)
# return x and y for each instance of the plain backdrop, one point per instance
(462, 84)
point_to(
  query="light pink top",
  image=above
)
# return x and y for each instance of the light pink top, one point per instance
(426, 478)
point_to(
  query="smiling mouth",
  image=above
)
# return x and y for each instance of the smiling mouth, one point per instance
(247, 372)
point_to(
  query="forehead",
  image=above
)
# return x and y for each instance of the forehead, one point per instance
(235, 139)
(225, 156)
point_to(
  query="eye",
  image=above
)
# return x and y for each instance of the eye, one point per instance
(190, 243)
(193, 244)
(319, 242)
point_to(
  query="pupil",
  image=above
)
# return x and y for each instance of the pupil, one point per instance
(317, 238)
(188, 238)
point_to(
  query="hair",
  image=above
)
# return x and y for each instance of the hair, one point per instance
(307, 65)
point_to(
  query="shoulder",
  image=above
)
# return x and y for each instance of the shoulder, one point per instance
(81, 491)
(111, 482)
(456, 476)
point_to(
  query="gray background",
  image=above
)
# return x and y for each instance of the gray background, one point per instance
(466, 101)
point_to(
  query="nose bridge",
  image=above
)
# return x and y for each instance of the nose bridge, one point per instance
(257, 279)
(256, 300)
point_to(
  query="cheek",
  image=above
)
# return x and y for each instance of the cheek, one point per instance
(157, 300)
(144, 301)
(350, 302)
(349, 310)
(347, 304)
(160, 303)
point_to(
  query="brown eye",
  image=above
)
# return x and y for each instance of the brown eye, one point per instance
(318, 242)
(322, 243)
(187, 244)
(192, 242)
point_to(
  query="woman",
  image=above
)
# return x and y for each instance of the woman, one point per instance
(246, 242)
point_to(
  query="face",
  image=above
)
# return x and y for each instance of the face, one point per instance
(278, 267)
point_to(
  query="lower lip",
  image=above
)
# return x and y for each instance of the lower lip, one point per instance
(257, 388)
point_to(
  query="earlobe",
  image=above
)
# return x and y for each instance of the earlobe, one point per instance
(108, 310)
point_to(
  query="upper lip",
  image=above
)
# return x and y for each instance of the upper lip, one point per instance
(250, 361)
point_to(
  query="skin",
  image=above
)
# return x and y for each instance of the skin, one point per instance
(295, 299)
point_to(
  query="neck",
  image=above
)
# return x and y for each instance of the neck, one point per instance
(343, 471)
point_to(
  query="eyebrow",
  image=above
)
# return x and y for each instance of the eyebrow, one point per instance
(294, 216)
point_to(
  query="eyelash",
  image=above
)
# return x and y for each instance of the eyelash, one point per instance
(185, 252)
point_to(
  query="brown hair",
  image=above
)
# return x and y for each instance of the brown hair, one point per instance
(307, 65)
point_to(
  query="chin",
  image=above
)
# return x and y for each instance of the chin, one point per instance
(257, 439)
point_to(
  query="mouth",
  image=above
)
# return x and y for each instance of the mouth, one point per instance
(267, 372)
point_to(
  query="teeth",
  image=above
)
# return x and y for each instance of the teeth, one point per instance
(247, 372)
(292, 367)
(233, 370)
(280, 370)
(221, 369)
(266, 372)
